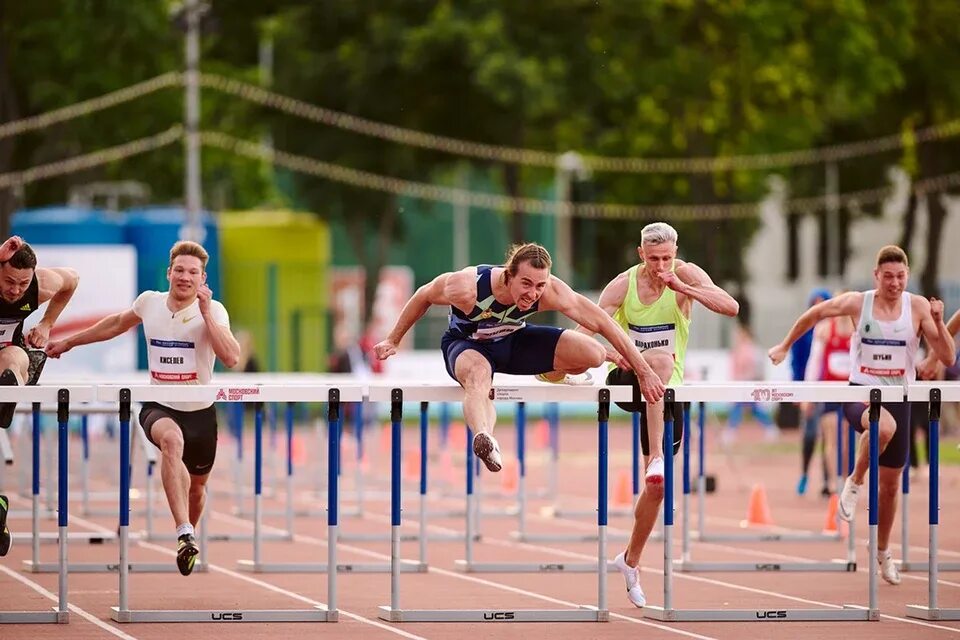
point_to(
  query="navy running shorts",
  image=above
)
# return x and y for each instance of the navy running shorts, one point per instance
(895, 455)
(526, 352)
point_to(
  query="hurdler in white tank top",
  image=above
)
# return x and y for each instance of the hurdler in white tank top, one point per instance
(178, 346)
(883, 351)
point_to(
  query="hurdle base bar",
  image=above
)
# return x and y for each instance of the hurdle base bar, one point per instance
(558, 512)
(583, 614)
(924, 566)
(317, 614)
(848, 612)
(528, 567)
(103, 567)
(567, 537)
(406, 537)
(836, 565)
(53, 537)
(35, 617)
(218, 537)
(406, 566)
(770, 536)
(926, 613)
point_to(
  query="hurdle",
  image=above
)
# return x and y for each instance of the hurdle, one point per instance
(685, 564)
(212, 393)
(935, 393)
(63, 396)
(770, 393)
(397, 395)
(765, 536)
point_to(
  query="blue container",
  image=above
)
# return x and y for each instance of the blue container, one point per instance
(68, 225)
(153, 230)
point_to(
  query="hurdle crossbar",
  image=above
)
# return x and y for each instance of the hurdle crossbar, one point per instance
(873, 396)
(936, 393)
(397, 395)
(124, 396)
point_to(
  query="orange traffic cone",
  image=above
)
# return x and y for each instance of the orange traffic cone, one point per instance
(543, 433)
(830, 524)
(758, 512)
(386, 435)
(298, 454)
(411, 465)
(510, 477)
(622, 495)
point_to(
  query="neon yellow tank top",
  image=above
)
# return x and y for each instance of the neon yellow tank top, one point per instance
(660, 325)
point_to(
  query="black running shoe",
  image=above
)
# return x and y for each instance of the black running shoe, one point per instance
(37, 359)
(7, 379)
(187, 551)
(5, 538)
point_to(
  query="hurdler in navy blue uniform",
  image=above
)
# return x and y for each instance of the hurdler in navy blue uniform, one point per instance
(489, 333)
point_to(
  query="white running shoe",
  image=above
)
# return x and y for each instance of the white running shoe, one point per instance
(486, 448)
(654, 472)
(888, 568)
(631, 576)
(573, 379)
(847, 505)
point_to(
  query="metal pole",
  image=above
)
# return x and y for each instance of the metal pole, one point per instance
(192, 229)
(333, 484)
(461, 220)
(257, 480)
(63, 433)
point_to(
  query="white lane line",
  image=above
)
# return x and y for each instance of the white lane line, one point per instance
(265, 585)
(72, 607)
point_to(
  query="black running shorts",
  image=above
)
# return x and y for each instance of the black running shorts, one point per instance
(199, 429)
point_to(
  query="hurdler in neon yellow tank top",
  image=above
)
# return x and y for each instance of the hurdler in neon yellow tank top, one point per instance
(660, 325)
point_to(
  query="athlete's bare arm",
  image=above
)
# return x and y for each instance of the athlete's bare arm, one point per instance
(560, 297)
(110, 327)
(456, 288)
(56, 286)
(693, 282)
(611, 299)
(939, 339)
(845, 304)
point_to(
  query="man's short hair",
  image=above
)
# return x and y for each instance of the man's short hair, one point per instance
(658, 233)
(892, 253)
(190, 248)
(24, 258)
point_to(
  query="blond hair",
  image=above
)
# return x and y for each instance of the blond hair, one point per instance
(892, 253)
(189, 248)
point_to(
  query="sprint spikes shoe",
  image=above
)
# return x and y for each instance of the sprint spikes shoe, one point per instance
(654, 474)
(7, 379)
(584, 379)
(847, 505)
(5, 538)
(631, 575)
(888, 568)
(802, 485)
(486, 448)
(187, 551)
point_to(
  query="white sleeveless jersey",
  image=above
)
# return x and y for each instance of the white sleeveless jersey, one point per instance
(884, 351)
(178, 346)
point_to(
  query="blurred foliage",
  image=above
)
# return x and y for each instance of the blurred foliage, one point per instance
(650, 78)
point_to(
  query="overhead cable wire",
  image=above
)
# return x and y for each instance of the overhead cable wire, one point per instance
(94, 159)
(452, 195)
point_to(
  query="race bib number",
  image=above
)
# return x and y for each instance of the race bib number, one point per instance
(883, 357)
(838, 364)
(496, 331)
(172, 360)
(657, 336)
(8, 329)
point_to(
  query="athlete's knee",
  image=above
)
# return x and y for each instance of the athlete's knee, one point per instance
(171, 443)
(197, 489)
(473, 370)
(593, 354)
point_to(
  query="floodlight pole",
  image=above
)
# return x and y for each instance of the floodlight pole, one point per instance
(192, 229)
